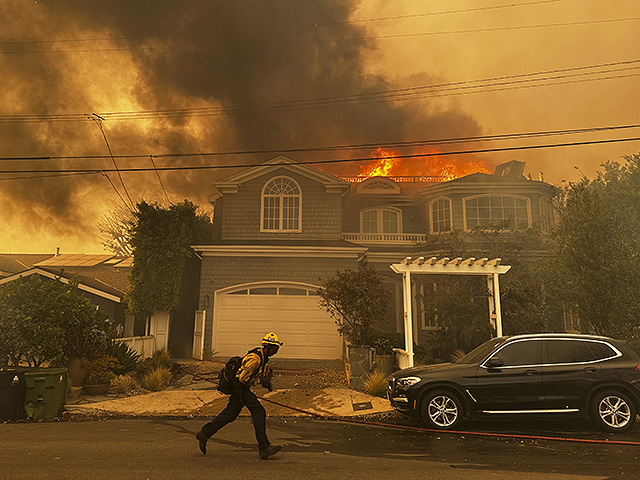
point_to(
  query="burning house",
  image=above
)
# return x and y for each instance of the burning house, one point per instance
(281, 227)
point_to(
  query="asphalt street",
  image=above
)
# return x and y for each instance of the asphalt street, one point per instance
(164, 448)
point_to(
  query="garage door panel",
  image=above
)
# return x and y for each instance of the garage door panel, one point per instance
(290, 328)
(315, 329)
(323, 353)
(293, 303)
(292, 318)
(306, 329)
(295, 338)
(268, 302)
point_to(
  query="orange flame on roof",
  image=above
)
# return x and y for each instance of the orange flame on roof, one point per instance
(448, 168)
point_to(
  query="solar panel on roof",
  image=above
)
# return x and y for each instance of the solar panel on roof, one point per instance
(127, 262)
(74, 260)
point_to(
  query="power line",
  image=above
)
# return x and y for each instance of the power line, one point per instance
(348, 39)
(35, 177)
(478, 30)
(357, 146)
(515, 81)
(280, 27)
(331, 161)
(98, 121)
(159, 179)
(442, 12)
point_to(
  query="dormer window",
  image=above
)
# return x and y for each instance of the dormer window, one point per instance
(381, 220)
(281, 212)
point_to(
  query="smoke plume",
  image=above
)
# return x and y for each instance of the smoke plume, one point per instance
(228, 76)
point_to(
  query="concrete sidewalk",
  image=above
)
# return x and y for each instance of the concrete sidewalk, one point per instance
(198, 400)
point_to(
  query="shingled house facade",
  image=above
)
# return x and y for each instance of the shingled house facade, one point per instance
(283, 226)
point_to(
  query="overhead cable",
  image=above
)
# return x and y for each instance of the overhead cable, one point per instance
(331, 161)
(347, 147)
(501, 83)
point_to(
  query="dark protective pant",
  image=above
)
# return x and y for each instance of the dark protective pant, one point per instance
(241, 397)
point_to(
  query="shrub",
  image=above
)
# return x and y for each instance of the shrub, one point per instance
(356, 299)
(158, 379)
(457, 355)
(125, 384)
(101, 370)
(375, 384)
(159, 359)
(47, 321)
(208, 354)
(126, 356)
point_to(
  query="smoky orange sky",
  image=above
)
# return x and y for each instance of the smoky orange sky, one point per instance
(207, 76)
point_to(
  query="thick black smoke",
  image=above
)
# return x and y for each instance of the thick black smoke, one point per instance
(165, 55)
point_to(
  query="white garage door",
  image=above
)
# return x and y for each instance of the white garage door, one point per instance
(244, 315)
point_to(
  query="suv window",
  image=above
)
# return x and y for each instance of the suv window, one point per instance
(567, 351)
(601, 350)
(525, 352)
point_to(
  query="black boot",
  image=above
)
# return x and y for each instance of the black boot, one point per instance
(202, 442)
(270, 451)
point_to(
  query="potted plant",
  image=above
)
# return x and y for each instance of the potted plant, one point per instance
(383, 359)
(100, 375)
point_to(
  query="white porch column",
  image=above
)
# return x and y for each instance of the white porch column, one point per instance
(408, 321)
(496, 294)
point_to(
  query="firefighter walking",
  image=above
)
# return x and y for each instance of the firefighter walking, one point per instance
(252, 369)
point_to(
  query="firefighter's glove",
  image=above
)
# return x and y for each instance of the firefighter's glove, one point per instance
(265, 380)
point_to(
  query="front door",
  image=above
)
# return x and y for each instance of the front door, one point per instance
(516, 386)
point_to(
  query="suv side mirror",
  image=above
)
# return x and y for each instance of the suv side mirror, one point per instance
(495, 362)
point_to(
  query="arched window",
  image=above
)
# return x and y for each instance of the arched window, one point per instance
(381, 220)
(281, 199)
(440, 215)
(504, 211)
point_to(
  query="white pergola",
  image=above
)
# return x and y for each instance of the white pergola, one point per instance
(446, 266)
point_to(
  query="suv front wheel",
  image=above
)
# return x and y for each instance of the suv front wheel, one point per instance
(613, 411)
(441, 409)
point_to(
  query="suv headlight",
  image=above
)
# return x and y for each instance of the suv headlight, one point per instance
(406, 382)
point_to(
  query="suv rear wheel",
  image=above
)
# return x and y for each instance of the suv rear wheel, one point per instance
(441, 409)
(613, 411)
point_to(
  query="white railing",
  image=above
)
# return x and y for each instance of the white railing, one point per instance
(385, 237)
(398, 178)
(145, 346)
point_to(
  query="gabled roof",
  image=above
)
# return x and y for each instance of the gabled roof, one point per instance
(87, 284)
(104, 275)
(11, 263)
(231, 184)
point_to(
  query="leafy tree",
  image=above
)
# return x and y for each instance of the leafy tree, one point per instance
(161, 239)
(597, 249)
(458, 307)
(43, 320)
(357, 300)
(459, 304)
(115, 231)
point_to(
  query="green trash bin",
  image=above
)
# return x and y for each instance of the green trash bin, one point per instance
(46, 392)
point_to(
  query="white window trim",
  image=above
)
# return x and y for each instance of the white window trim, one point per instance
(431, 215)
(547, 220)
(281, 207)
(520, 197)
(379, 211)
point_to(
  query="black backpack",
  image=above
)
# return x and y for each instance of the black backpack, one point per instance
(225, 377)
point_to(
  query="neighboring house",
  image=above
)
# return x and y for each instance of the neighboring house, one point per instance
(281, 227)
(103, 279)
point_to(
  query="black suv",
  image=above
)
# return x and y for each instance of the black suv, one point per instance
(526, 374)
